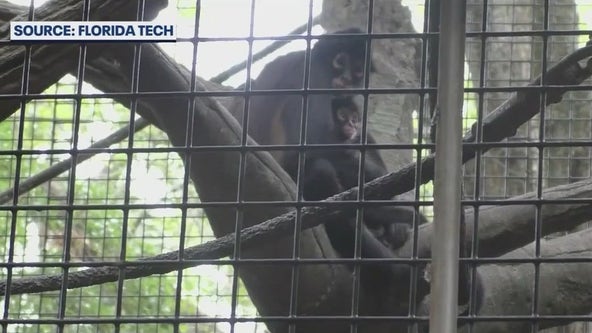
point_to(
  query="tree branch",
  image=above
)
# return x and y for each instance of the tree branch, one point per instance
(210, 124)
(50, 62)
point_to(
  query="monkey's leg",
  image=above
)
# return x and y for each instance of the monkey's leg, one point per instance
(392, 279)
(321, 181)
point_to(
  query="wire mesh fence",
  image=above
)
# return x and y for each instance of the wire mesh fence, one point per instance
(179, 187)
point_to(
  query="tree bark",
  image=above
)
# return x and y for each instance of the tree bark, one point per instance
(511, 61)
(324, 289)
(564, 287)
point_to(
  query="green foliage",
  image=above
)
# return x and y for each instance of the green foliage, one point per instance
(99, 233)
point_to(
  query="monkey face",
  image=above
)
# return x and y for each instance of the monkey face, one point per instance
(348, 122)
(347, 73)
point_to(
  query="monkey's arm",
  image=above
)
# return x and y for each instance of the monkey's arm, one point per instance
(320, 179)
(374, 166)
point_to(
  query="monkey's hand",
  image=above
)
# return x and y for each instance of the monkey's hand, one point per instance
(396, 234)
(391, 224)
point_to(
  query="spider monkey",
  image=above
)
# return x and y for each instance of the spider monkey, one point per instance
(329, 172)
(275, 119)
(335, 63)
(333, 171)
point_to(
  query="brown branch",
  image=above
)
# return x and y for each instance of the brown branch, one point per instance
(65, 165)
(276, 45)
(9, 11)
(495, 127)
(251, 237)
(52, 61)
(276, 227)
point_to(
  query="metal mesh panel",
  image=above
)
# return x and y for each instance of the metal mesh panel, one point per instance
(133, 166)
